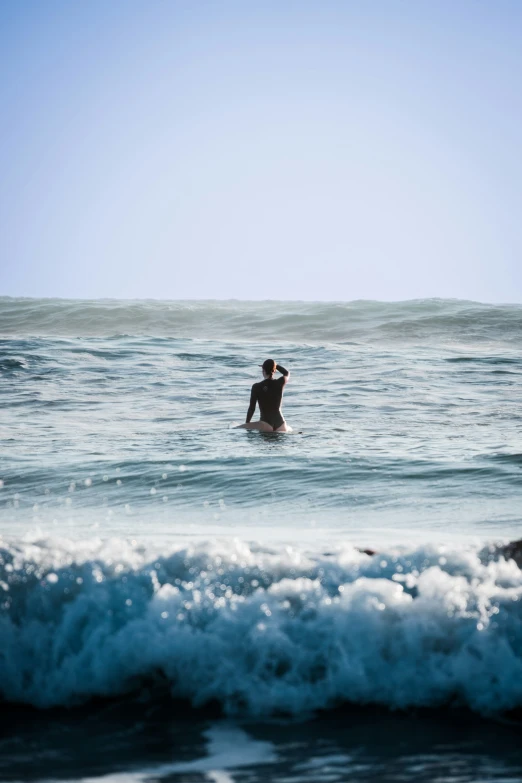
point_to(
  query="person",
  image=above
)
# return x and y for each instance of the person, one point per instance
(268, 394)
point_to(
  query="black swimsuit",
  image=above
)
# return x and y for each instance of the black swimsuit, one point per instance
(268, 394)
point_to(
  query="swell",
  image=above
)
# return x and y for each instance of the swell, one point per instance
(243, 482)
(342, 322)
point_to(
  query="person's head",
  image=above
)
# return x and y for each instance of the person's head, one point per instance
(269, 368)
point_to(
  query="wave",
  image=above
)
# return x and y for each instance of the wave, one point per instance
(260, 631)
(9, 363)
(218, 484)
(312, 322)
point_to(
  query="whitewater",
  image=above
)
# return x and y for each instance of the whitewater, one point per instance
(152, 555)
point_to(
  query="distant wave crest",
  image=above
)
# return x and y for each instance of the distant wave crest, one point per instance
(433, 319)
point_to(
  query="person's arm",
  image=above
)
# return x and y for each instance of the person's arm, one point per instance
(284, 373)
(252, 406)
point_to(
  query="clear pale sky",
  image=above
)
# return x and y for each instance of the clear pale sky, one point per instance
(261, 149)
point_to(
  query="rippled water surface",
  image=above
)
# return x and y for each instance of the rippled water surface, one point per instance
(407, 418)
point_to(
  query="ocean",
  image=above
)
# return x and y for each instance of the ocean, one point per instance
(184, 601)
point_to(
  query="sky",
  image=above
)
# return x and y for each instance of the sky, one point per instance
(262, 149)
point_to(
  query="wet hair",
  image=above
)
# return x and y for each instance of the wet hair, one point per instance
(269, 366)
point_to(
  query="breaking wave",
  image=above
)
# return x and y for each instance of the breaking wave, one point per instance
(260, 631)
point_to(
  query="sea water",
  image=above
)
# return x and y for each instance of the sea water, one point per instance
(157, 562)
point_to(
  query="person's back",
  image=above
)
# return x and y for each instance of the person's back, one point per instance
(268, 393)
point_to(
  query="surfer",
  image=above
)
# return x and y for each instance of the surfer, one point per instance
(268, 393)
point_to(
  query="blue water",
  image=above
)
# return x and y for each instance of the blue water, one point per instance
(146, 543)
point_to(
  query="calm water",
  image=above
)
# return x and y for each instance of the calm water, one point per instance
(148, 544)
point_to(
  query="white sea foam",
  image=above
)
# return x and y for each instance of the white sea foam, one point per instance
(260, 631)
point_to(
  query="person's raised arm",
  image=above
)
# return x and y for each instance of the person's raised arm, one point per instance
(284, 373)
(252, 406)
